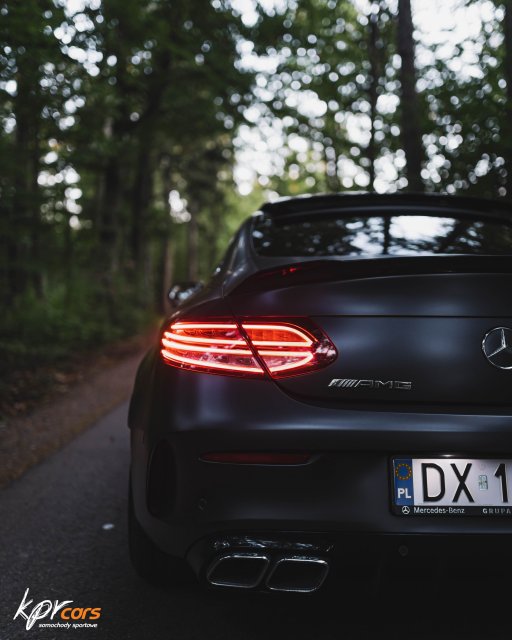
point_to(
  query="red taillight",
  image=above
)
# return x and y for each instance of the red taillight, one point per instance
(281, 348)
(249, 457)
(214, 346)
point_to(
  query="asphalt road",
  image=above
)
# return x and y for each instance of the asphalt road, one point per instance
(63, 536)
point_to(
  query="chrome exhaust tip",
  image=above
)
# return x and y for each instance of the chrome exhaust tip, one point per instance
(298, 574)
(239, 570)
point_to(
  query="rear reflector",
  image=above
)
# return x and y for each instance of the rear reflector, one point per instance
(256, 347)
(257, 458)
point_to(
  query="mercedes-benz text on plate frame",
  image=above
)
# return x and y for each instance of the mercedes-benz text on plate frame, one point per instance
(497, 347)
(452, 487)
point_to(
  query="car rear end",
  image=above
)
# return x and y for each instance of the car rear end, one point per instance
(339, 395)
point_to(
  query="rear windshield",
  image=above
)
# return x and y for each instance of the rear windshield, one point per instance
(395, 235)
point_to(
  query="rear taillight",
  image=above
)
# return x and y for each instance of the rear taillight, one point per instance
(281, 347)
(212, 346)
(251, 348)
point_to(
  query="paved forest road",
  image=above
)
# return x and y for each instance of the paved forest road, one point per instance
(52, 540)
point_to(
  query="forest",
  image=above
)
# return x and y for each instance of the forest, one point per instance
(136, 135)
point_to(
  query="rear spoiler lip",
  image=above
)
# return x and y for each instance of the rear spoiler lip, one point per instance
(349, 202)
(310, 270)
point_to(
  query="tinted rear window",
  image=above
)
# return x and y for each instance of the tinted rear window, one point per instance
(396, 235)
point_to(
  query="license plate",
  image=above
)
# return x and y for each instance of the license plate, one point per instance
(448, 486)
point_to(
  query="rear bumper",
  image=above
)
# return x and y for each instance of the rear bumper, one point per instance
(342, 494)
(365, 556)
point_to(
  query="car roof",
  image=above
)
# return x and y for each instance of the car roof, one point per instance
(324, 203)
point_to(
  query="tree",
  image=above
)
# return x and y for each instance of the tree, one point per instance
(468, 143)
(507, 32)
(103, 110)
(409, 104)
(135, 114)
(31, 64)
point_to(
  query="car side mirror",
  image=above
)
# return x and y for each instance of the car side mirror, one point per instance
(181, 291)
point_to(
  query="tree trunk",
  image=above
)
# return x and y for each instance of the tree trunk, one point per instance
(141, 199)
(193, 245)
(24, 233)
(167, 273)
(410, 125)
(168, 247)
(108, 221)
(36, 242)
(216, 229)
(331, 169)
(68, 260)
(508, 77)
(373, 55)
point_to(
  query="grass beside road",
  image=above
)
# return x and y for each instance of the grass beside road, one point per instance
(65, 400)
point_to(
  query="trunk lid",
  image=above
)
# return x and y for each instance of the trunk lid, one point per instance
(414, 335)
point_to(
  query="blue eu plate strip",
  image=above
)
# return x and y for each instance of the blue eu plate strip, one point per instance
(403, 482)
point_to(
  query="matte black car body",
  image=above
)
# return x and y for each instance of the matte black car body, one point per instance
(418, 319)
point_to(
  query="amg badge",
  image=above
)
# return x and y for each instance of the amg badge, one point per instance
(350, 383)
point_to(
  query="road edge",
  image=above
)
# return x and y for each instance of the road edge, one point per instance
(27, 440)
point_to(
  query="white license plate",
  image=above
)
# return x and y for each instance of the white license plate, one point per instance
(447, 486)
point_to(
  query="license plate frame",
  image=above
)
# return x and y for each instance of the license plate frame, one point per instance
(487, 481)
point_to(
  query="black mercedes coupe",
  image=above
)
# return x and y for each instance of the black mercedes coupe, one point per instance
(336, 399)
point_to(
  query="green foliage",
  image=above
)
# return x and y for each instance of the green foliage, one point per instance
(105, 112)
(333, 55)
(37, 332)
(468, 126)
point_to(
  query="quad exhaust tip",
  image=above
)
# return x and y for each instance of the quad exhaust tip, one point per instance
(295, 574)
(241, 570)
(298, 574)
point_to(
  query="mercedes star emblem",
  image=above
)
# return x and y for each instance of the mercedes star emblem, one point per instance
(497, 347)
(406, 511)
